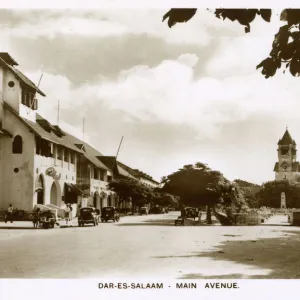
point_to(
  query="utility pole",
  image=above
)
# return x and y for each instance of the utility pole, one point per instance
(119, 147)
(58, 113)
(83, 130)
(115, 161)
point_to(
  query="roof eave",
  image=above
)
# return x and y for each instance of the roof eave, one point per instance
(20, 79)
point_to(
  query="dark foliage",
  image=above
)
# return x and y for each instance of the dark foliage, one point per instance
(285, 50)
(178, 15)
(250, 192)
(141, 194)
(270, 194)
(129, 188)
(197, 185)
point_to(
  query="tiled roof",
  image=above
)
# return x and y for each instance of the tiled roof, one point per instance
(276, 169)
(67, 140)
(137, 173)
(90, 153)
(110, 162)
(8, 59)
(286, 139)
(47, 131)
(21, 77)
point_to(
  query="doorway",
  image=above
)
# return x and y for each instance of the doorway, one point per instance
(40, 190)
(55, 195)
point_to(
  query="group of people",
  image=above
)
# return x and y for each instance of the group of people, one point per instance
(68, 213)
(9, 215)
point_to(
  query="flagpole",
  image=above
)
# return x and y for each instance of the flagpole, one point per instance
(37, 88)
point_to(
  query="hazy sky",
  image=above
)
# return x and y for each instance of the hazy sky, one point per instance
(178, 96)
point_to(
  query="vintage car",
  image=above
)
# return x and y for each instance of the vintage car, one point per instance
(87, 215)
(157, 210)
(109, 213)
(143, 211)
(191, 212)
(46, 219)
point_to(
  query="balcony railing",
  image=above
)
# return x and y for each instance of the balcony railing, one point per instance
(99, 183)
(93, 182)
(83, 180)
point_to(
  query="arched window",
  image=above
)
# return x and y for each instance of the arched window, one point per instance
(17, 146)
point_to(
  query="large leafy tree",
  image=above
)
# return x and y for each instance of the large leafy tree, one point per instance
(141, 194)
(249, 191)
(129, 188)
(285, 50)
(198, 185)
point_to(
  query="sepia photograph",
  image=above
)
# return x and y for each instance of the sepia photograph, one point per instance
(156, 144)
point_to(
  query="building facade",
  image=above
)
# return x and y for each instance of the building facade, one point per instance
(42, 164)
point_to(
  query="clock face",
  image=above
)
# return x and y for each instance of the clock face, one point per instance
(284, 166)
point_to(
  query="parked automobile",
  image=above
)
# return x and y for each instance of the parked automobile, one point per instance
(143, 211)
(191, 212)
(110, 213)
(156, 210)
(47, 219)
(87, 215)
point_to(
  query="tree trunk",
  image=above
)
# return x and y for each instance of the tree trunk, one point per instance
(214, 209)
(208, 214)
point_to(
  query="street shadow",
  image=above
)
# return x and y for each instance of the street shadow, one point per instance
(278, 255)
(168, 222)
(154, 222)
(18, 227)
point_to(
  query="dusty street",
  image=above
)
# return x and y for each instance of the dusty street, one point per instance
(152, 247)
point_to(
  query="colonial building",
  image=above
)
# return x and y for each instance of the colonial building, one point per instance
(287, 167)
(141, 176)
(39, 162)
(121, 170)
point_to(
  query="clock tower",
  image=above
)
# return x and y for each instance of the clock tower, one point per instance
(287, 168)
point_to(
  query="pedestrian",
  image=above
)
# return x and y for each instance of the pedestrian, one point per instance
(9, 215)
(36, 218)
(183, 213)
(67, 213)
(194, 214)
(199, 216)
(71, 212)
